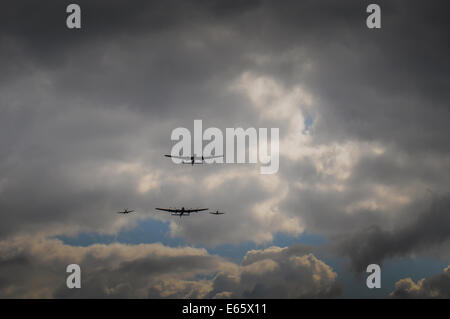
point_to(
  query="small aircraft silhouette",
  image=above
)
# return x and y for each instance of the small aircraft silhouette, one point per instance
(217, 213)
(182, 211)
(193, 159)
(126, 211)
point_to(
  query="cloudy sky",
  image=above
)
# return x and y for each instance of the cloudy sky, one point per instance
(86, 116)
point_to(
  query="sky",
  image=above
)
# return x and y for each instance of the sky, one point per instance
(86, 116)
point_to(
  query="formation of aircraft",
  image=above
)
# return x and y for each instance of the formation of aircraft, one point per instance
(182, 211)
(125, 211)
(193, 159)
(217, 213)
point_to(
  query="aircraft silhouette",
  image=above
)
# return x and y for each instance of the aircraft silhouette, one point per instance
(126, 211)
(193, 159)
(217, 213)
(182, 211)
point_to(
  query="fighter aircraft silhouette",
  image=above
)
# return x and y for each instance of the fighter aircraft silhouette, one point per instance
(193, 159)
(217, 213)
(182, 211)
(126, 211)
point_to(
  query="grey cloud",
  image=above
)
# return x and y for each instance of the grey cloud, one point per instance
(35, 268)
(280, 273)
(436, 286)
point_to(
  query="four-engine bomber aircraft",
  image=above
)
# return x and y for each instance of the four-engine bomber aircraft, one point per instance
(193, 159)
(217, 213)
(182, 211)
(126, 211)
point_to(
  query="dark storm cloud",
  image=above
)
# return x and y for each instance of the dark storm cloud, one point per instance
(396, 174)
(148, 40)
(417, 233)
(152, 46)
(139, 49)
